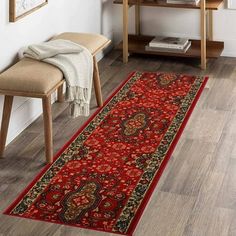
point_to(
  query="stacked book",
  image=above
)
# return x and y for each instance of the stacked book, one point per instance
(168, 44)
(191, 2)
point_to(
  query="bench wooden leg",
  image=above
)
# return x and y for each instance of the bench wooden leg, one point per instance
(8, 100)
(47, 117)
(97, 84)
(60, 96)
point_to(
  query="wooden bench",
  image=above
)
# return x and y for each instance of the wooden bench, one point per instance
(30, 78)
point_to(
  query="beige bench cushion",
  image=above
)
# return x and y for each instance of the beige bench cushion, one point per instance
(30, 76)
(93, 42)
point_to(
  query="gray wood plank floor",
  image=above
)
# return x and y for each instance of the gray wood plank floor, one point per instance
(196, 195)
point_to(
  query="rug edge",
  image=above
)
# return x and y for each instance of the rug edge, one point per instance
(156, 179)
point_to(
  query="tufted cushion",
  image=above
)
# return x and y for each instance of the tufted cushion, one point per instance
(30, 76)
(93, 42)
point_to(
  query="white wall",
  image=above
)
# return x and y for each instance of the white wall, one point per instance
(56, 17)
(181, 22)
(231, 4)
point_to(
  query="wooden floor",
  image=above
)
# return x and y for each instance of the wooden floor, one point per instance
(197, 193)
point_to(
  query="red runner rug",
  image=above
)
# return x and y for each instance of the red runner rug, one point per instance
(104, 176)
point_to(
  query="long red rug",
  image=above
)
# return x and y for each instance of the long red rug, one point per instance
(104, 176)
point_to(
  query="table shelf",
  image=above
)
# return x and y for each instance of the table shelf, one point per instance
(137, 45)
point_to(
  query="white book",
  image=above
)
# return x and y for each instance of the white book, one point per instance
(184, 1)
(190, 2)
(170, 50)
(168, 42)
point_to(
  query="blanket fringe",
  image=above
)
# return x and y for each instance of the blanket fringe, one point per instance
(78, 98)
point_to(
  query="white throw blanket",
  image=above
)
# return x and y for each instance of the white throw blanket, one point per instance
(76, 63)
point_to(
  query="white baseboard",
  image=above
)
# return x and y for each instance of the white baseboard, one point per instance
(229, 48)
(24, 115)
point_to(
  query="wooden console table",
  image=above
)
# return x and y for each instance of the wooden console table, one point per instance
(204, 48)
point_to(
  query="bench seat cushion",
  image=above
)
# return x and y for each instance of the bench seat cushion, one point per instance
(30, 76)
(93, 42)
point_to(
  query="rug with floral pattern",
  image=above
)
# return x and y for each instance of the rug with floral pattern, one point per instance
(103, 178)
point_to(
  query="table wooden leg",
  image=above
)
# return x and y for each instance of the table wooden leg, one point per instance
(125, 30)
(5, 122)
(203, 34)
(210, 25)
(137, 19)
